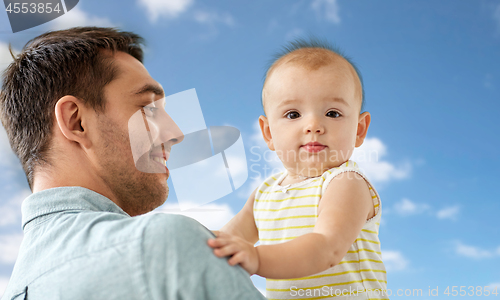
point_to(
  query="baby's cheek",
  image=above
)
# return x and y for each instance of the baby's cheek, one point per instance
(286, 155)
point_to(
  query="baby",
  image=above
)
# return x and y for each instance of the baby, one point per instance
(318, 221)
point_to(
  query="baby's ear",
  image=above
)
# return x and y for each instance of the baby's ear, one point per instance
(363, 124)
(266, 132)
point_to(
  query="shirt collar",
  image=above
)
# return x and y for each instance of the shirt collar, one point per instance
(61, 199)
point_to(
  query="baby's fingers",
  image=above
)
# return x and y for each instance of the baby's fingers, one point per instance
(217, 242)
(226, 250)
(238, 258)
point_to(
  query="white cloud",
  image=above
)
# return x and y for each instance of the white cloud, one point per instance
(213, 216)
(369, 157)
(9, 163)
(211, 18)
(450, 212)
(238, 165)
(78, 17)
(10, 210)
(5, 57)
(172, 9)
(474, 252)
(6, 153)
(407, 207)
(165, 8)
(3, 285)
(238, 169)
(394, 261)
(329, 9)
(9, 247)
(494, 286)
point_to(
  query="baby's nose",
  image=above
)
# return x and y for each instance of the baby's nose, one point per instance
(315, 126)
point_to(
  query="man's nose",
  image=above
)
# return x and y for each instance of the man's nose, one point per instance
(314, 125)
(168, 130)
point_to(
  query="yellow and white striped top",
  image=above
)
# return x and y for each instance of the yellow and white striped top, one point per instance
(283, 213)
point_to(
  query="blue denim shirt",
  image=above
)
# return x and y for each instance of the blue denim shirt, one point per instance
(78, 244)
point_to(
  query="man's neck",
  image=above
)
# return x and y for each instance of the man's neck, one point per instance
(54, 177)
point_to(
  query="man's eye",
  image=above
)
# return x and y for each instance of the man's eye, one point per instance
(149, 111)
(292, 115)
(333, 114)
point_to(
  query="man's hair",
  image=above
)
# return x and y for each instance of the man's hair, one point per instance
(55, 64)
(311, 53)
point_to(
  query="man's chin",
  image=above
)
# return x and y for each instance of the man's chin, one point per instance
(160, 197)
(151, 192)
(164, 198)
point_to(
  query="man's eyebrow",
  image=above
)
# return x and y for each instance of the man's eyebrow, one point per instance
(150, 88)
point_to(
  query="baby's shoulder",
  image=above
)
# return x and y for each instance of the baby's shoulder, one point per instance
(348, 181)
(348, 174)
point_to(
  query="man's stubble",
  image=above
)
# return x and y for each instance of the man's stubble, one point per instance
(136, 192)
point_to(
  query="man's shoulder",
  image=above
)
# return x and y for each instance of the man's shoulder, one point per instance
(153, 226)
(171, 227)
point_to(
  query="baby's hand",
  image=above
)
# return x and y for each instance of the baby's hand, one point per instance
(241, 251)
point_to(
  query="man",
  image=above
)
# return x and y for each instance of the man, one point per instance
(65, 104)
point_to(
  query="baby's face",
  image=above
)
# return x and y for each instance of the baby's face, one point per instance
(312, 117)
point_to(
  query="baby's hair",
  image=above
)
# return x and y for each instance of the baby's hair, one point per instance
(319, 55)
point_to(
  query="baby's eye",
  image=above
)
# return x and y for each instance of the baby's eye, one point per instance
(333, 114)
(292, 115)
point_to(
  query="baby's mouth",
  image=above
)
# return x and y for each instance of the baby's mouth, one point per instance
(313, 147)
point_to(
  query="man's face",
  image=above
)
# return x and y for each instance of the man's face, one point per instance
(132, 90)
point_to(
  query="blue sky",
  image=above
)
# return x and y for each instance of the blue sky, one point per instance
(432, 83)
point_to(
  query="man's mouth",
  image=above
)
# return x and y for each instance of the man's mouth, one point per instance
(313, 147)
(160, 160)
(160, 156)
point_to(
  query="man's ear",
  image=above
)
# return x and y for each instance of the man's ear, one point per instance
(363, 124)
(70, 118)
(266, 132)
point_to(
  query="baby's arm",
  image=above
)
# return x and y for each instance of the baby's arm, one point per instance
(342, 212)
(238, 237)
(243, 224)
